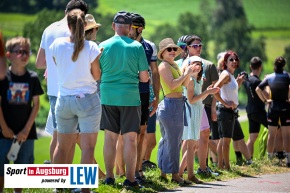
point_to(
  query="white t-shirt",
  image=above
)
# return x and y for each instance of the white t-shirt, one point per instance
(74, 78)
(229, 91)
(53, 31)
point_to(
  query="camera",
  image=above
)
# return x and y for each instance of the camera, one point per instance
(246, 77)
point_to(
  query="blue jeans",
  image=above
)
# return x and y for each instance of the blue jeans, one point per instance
(73, 110)
(25, 154)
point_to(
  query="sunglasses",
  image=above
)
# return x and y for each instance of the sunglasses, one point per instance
(22, 52)
(170, 49)
(182, 47)
(135, 27)
(195, 45)
(231, 60)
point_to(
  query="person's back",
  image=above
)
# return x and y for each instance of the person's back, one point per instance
(120, 72)
(53, 31)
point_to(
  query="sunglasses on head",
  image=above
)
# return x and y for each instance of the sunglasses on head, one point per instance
(22, 52)
(232, 59)
(170, 49)
(195, 45)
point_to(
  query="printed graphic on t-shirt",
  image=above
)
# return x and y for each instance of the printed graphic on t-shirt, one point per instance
(18, 93)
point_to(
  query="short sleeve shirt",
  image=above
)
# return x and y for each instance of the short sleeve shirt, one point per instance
(121, 61)
(17, 93)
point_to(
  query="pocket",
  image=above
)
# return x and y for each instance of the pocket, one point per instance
(87, 103)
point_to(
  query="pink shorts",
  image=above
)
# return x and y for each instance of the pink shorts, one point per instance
(204, 125)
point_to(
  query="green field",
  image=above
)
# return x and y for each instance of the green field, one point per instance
(42, 148)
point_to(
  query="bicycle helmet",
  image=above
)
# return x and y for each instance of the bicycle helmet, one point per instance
(138, 20)
(182, 40)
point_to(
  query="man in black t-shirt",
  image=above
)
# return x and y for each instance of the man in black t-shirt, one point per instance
(255, 107)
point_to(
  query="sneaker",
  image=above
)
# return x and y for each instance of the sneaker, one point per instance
(129, 184)
(109, 181)
(146, 164)
(203, 173)
(208, 169)
(47, 162)
(141, 180)
(249, 162)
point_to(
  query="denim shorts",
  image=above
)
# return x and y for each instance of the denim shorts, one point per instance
(52, 101)
(25, 155)
(83, 110)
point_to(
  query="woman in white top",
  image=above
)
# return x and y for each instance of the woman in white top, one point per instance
(228, 102)
(78, 69)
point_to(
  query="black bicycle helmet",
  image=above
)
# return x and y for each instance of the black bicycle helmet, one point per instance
(138, 20)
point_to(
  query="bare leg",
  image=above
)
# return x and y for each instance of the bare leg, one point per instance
(110, 152)
(251, 141)
(203, 148)
(242, 147)
(52, 146)
(139, 148)
(64, 144)
(130, 154)
(151, 143)
(120, 159)
(226, 152)
(220, 153)
(271, 139)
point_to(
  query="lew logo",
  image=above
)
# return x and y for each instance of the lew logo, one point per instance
(83, 175)
(51, 176)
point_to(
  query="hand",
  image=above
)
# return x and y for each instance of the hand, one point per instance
(213, 116)
(230, 104)
(8, 133)
(213, 90)
(240, 79)
(153, 104)
(22, 135)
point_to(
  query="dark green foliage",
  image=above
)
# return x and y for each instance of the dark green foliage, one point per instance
(233, 32)
(34, 6)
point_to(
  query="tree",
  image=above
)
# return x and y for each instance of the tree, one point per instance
(233, 32)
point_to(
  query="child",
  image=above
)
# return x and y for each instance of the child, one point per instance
(194, 115)
(19, 95)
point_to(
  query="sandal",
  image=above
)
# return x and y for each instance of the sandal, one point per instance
(182, 182)
(195, 180)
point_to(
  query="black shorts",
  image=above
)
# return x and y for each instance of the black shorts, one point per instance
(121, 119)
(275, 116)
(238, 132)
(226, 123)
(213, 124)
(144, 107)
(255, 121)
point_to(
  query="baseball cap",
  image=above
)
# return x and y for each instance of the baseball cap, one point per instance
(123, 17)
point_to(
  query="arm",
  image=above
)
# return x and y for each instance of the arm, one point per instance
(240, 79)
(23, 134)
(95, 68)
(156, 86)
(40, 59)
(260, 94)
(194, 98)
(223, 79)
(6, 131)
(143, 76)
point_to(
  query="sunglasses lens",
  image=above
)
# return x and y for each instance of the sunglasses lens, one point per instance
(169, 49)
(175, 49)
(182, 47)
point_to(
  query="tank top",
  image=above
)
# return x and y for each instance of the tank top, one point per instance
(176, 73)
(229, 91)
